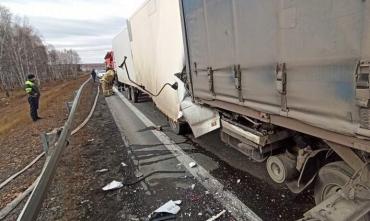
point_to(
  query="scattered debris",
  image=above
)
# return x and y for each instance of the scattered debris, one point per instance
(169, 207)
(113, 185)
(138, 174)
(192, 186)
(85, 201)
(102, 170)
(200, 214)
(91, 140)
(166, 211)
(217, 216)
(209, 210)
(207, 192)
(123, 164)
(192, 164)
(282, 196)
(238, 181)
(177, 202)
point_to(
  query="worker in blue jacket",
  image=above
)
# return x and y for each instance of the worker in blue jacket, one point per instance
(33, 92)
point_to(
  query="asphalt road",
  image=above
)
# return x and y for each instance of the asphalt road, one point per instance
(242, 187)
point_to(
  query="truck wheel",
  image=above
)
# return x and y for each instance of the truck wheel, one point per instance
(281, 167)
(177, 127)
(331, 179)
(128, 93)
(134, 95)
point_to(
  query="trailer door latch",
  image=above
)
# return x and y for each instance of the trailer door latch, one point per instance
(238, 81)
(281, 81)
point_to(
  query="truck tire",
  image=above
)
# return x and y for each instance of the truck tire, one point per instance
(134, 95)
(128, 93)
(177, 127)
(331, 178)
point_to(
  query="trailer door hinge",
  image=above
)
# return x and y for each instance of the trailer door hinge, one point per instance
(238, 81)
(281, 81)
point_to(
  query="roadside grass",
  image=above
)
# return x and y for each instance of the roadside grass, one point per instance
(15, 109)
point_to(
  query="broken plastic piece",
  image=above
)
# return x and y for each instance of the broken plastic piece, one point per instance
(217, 216)
(113, 185)
(177, 202)
(138, 174)
(169, 207)
(102, 170)
(192, 164)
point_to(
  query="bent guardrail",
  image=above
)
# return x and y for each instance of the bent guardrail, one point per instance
(34, 202)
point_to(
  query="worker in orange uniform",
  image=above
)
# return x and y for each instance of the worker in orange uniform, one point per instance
(107, 82)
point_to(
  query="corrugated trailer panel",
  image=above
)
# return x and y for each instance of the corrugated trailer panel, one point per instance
(157, 46)
(320, 43)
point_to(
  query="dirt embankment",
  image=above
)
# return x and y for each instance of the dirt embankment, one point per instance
(20, 137)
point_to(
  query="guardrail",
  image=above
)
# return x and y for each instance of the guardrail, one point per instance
(34, 202)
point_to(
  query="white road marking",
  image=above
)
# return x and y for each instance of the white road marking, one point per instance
(237, 208)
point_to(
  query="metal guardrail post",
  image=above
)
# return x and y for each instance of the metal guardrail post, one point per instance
(34, 202)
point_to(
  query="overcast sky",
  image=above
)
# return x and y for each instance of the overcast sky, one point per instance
(87, 26)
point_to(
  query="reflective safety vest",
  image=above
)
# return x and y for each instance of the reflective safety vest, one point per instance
(31, 88)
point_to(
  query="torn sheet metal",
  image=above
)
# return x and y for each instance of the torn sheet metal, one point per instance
(201, 119)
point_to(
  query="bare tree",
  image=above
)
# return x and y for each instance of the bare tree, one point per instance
(22, 52)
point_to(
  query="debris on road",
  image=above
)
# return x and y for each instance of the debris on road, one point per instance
(192, 186)
(138, 174)
(169, 207)
(102, 170)
(238, 181)
(113, 185)
(166, 211)
(215, 217)
(177, 202)
(91, 140)
(192, 164)
(123, 164)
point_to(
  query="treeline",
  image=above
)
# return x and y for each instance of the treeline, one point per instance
(22, 52)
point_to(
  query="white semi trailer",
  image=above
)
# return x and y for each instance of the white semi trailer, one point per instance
(152, 47)
(288, 79)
